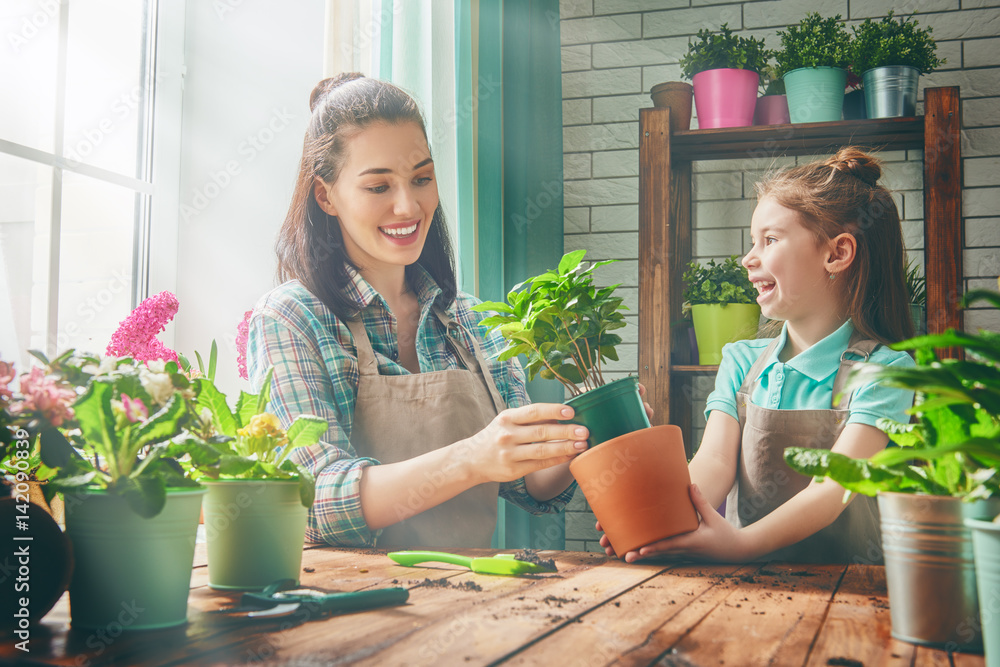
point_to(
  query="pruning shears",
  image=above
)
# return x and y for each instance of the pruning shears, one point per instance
(282, 598)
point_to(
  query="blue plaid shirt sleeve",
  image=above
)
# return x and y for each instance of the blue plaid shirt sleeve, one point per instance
(284, 333)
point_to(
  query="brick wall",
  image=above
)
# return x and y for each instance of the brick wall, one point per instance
(614, 51)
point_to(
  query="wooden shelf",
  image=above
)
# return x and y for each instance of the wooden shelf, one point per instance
(798, 139)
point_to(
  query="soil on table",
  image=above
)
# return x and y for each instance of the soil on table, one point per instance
(531, 556)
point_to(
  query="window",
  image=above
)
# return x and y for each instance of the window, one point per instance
(75, 169)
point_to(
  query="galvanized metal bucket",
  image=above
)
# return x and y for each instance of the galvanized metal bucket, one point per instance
(891, 92)
(930, 570)
(986, 544)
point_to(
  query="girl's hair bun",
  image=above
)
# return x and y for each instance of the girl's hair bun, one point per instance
(324, 87)
(857, 163)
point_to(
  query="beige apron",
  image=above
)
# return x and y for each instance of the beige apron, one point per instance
(398, 417)
(764, 481)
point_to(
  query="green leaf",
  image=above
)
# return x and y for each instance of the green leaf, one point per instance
(210, 397)
(246, 409)
(146, 494)
(212, 358)
(232, 465)
(493, 306)
(305, 431)
(570, 261)
(97, 421)
(264, 397)
(161, 426)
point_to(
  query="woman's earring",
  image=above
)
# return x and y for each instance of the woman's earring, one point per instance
(833, 276)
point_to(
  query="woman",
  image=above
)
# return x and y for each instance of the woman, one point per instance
(369, 331)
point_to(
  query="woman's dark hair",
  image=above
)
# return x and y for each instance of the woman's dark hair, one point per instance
(842, 194)
(310, 245)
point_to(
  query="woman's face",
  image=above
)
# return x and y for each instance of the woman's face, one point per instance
(384, 197)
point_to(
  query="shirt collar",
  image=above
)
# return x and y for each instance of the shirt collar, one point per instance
(362, 293)
(822, 359)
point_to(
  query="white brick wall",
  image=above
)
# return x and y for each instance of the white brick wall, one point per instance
(614, 51)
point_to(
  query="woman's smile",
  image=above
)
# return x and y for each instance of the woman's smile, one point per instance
(403, 233)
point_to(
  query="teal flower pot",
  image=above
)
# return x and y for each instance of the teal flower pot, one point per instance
(610, 411)
(130, 573)
(815, 94)
(986, 549)
(255, 530)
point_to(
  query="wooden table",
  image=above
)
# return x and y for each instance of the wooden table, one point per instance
(593, 611)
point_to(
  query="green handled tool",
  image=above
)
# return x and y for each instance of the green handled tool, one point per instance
(277, 600)
(504, 564)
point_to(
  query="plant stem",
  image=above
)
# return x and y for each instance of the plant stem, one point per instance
(579, 359)
(566, 383)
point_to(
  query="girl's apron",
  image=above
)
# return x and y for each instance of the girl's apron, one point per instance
(399, 417)
(764, 480)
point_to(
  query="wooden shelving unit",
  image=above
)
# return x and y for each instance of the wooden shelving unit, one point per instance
(665, 219)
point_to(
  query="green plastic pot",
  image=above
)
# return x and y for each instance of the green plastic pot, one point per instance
(716, 324)
(255, 530)
(130, 573)
(986, 549)
(610, 411)
(815, 94)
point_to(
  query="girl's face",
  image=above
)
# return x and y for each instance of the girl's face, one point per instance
(788, 266)
(384, 197)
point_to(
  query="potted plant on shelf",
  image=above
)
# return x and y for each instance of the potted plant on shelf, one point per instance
(942, 470)
(255, 510)
(676, 96)
(634, 476)
(812, 60)
(725, 70)
(723, 306)
(854, 97)
(772, 106)
(891, 55)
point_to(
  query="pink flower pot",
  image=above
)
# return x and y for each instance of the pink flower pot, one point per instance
(725, 97)
(771, 110)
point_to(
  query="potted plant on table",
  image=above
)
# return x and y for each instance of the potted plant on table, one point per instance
(725, 70)
(255, 510)
(723, 306)
(812, 61)
(891, 55)
(942, 470)
(634, 476)
(772, 105)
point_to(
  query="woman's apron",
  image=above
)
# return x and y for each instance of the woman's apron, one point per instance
(765, 481)
(399, 417)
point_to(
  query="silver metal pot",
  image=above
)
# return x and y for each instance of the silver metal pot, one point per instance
(930, 570)
(891, 92)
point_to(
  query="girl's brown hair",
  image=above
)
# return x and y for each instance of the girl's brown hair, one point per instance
(842, 194)
(310, 245)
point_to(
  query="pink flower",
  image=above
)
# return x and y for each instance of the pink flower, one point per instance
(136, 335)
(7, 375)
(135, 409)
(242, 332)
(43, 395)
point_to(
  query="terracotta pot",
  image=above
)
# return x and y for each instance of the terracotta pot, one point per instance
(771, 110)
(55, 507)
(675, 95)
(637, 486)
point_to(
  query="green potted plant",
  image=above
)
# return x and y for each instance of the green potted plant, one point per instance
(891, 54)
(942, 469)
(634, 477)
(258, 499)
(812, 61)
(725, 70)
(854, 97)
(916, 288)
(772, 105)
(723, 306)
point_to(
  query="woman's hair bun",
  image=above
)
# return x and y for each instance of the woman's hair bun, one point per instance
(854, 161)
(324, 87)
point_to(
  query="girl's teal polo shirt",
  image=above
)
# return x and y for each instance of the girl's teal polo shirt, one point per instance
(805, 382)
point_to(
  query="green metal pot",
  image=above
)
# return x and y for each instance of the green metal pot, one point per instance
(610, 411)
(130, 573)
(986, 547)
(815, 94)
(255, 530)
(716, 324)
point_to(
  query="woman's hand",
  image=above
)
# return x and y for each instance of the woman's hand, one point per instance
(715, 538)
(522, 440)
(649, 408)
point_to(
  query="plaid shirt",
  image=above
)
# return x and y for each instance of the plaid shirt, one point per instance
(316, 372)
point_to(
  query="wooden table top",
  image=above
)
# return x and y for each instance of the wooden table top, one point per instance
(593, 611)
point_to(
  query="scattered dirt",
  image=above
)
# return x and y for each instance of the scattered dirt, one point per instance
(470, 586)
(308, 569)
(845, 662)
(552, 599)
(531, 556)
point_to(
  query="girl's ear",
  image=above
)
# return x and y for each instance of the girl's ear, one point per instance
(322, 193)
(843, 248)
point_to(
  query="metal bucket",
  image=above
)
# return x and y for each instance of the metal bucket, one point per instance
(986, 544)
(891, 92)
(930, 570)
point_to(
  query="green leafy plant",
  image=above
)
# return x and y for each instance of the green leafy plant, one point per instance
(814, 42)
(561, 322)
(894, 41)
(718, 283)
(916, 284)
(248, 442)
(773, 83)
(953, 449)
(723, 50)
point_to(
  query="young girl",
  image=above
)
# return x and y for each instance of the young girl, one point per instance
(369, 332)
(827, 260)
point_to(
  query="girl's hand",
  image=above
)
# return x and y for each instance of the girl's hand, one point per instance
(522, 440)
(649, 408)
(715, 538)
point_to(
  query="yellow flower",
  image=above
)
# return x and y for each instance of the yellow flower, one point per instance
(261, 436)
